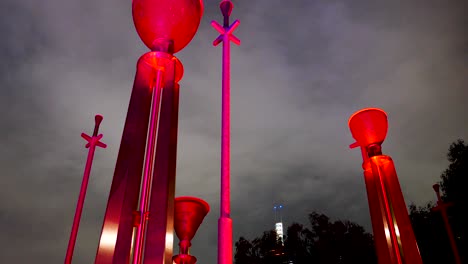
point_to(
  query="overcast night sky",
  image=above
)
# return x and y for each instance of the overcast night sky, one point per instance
(303, 68)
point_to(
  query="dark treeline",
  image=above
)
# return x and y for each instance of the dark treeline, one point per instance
(428, 224)
(324, 241)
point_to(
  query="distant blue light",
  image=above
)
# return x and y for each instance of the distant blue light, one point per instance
(280, 206)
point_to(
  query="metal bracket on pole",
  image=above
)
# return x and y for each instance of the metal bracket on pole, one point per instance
(226, 32)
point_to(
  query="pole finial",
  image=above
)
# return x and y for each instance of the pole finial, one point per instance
(226, 7)
(98, 120)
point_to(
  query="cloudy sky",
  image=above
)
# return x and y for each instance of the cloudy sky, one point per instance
(303, 68)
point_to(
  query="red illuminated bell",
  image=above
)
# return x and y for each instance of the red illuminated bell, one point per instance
(188, 215)
(167, 20)
(368, 126)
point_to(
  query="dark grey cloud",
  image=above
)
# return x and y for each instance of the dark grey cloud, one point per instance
(303, 68)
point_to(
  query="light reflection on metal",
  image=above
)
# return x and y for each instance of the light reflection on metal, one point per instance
(140, 207)
(93, 141)
(393, 234)
(108, 237)
(225, 222)
(442, 208)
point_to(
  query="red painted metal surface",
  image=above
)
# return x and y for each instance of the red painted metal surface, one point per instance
(148, 168)
(184, 259)
(165, 27)
(163, 65)
(442, 207)
(159, 232)
(393, 234)
(189, 213)
(117, 231)
(225, 221)
(117, 234)
(176, 21)
(92, 143)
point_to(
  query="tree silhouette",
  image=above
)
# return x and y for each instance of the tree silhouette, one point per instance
(454, 186)
(340, 242)
(245, 252)
(454, 182)
(429, 227)
(325, 242)
(268, 248)
(430, 234)
(343, 242)
(298, 246)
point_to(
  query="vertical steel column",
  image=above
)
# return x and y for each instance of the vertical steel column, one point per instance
(92, 143)
(384, 249)
(165, 27)
(116, 235)
(148, 168)
(225, 221)
(160, 226)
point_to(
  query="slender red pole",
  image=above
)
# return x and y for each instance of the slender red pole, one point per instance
(92, 143)
(148, 170)
(442, 207)
(225, 221)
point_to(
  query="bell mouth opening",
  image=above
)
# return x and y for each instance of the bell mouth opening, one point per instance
(194, 199)
(368, 126)
(365, 110)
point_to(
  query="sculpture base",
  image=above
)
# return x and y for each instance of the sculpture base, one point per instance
(184, 259)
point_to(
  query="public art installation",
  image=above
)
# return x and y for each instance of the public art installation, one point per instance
(442, 208)
(393, 234)
(93, 142)
(188, 215)
(140, 207)
(225, 221)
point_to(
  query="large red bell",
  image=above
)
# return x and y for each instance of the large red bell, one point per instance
(159, 21)
(368, 126)
(189, 213)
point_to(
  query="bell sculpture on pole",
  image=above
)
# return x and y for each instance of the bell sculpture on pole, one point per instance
(138, 223)
(393, 234)
(189, 214)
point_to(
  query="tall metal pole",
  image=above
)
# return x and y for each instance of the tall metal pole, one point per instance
(225, 221)
(442, 207)
(394, 238)
(92, 143)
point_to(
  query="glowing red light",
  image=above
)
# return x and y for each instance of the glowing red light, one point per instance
(369, 126)
(393, 234)
(176, 21)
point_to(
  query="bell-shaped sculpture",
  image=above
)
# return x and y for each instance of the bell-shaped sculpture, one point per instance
(368, 126)
(189, 213)
(158, 21)
(394, 238)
